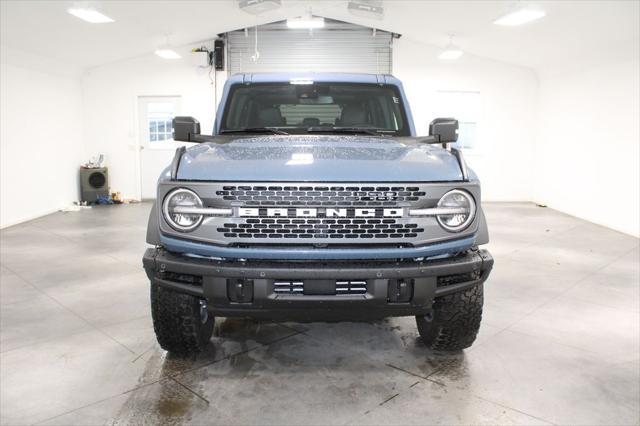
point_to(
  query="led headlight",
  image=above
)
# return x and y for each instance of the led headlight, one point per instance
(178, 207)
(460, 202)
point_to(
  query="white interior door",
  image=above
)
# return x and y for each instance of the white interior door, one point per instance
(157, 147)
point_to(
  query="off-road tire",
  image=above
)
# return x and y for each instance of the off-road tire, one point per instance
(455, 321)
(178, 323)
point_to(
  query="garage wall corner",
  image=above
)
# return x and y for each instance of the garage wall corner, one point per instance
(41, 137)
(588, 150)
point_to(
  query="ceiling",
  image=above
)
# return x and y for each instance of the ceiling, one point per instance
(574, 33)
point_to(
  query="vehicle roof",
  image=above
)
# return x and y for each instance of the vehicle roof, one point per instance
(324, 77)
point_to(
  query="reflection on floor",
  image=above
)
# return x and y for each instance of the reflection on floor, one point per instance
(559, 341)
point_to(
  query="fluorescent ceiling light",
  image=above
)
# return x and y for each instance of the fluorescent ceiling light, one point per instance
(519, 17)
(256, 7)
(451, 53)
(307, 22)
(167, 54)
(366, 8)
(90, 15)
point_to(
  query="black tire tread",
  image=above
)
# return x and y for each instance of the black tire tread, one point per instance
(456, 320)
(176, 321)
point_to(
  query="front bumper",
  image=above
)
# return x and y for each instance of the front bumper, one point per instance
(217, 280)
(303, 253)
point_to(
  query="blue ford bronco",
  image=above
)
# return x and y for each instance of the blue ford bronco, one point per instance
(314, 200)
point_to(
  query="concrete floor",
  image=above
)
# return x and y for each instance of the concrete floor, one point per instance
(559, 341)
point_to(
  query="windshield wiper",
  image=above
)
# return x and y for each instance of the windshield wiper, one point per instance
(352, 130)
(273, 130)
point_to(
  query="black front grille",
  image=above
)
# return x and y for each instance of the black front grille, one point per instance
(181, 278)
(346, 228)
(288, 287)
(345, 196)
(350, 287)
(447, 280)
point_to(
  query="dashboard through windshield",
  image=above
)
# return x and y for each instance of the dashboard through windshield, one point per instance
(286, 108)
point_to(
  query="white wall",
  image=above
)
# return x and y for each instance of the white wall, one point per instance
(111, 94)
(40, 137)
(588, 155)
(506, 129)
(507, 125)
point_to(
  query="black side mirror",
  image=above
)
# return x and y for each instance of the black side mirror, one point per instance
(444, 130)
(185, 129)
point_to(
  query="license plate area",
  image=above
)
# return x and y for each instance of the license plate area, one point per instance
(319, 287)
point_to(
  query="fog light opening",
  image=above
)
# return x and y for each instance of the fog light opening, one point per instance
(240, 290)
(400, 290)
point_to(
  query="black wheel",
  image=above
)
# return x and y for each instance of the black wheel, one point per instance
(181, 321)
(455, 321)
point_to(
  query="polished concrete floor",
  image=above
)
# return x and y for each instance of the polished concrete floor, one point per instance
(559, 341)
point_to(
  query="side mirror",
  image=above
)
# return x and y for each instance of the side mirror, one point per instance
(444, 130)
(185, 129)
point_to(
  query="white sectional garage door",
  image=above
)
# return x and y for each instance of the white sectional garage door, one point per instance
(338, 47)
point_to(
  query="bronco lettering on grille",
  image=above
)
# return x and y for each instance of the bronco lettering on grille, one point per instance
(320, 212)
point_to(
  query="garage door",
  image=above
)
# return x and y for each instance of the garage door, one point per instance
(338, 47)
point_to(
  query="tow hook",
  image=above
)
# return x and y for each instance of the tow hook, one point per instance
(204, 313)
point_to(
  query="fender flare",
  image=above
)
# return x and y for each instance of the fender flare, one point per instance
(483, 229)
(153, 227)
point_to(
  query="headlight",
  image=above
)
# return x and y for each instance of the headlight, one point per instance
(182, 199)
(457, 200)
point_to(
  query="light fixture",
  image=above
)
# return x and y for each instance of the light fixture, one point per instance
(366, 8)
(167, 53)
(256, 7)
(462, 209)
(90, 15)
(307, 21)
(190, 217)
(451, 52)
(520, 17)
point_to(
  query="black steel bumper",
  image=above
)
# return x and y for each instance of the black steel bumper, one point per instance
(247, 289)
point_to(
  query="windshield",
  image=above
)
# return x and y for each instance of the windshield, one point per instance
(315, 108)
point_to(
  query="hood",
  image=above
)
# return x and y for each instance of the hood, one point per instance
(319, 158)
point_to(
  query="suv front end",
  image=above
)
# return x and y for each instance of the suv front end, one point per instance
(317, 228)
